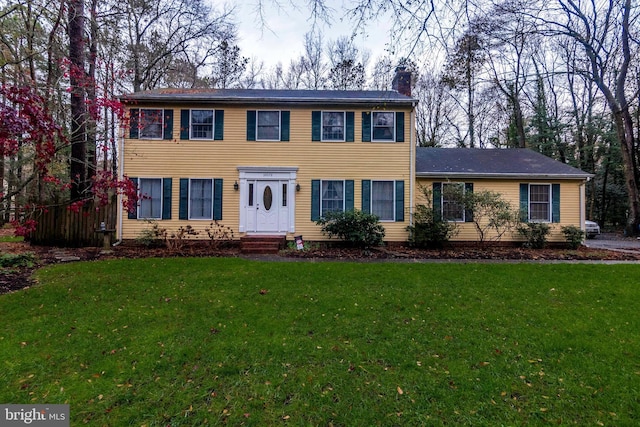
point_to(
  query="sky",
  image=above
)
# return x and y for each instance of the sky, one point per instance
(283, 39)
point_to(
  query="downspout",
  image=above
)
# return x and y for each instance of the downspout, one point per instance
(120, 157)
(412, 170)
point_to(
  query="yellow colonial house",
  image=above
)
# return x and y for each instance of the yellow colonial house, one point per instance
(271, 162)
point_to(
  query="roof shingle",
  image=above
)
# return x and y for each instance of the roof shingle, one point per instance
(487, 163)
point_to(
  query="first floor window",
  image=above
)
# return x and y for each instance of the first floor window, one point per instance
(201, 124)
(332, 126)
(332, 196)
(201, 199)
(150, 194)
(452, 206)
(383, 200)
(383, 126)
(151, 124)
(540, 203)
(268, 125)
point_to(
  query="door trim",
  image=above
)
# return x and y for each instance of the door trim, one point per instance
(247, 174)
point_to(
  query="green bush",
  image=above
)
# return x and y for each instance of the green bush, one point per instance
(26, 259)
(535, 234)
(429, 230)
(355, 227)
(573, 235)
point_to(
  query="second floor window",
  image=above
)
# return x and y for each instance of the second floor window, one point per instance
(151, 124)
(268, 125)
(383, 126)
(202, 124)
(333, 126)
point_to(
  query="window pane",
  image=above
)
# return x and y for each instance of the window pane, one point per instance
(333, 126)
(452, 208)
(382, 200)
(151, 124)
(200, 199)
(150, 198)
(202, 124)
(539, 203)
(332, 196)
(268, 125)
(383, 126)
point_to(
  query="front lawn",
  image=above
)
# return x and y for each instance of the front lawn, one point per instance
(182, 341)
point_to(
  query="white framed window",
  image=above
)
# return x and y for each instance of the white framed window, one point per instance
(383, 200)
(333, 126)
(150, 196)
(151, 123)
(332, 196)
(383, 126)
(452, 206)
(540, 202)
(201, 126)
(201, 199)
(268, 125)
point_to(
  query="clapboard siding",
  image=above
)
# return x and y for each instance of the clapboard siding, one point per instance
(510, 191)
(355, 161)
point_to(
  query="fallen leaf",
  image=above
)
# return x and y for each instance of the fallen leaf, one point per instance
(400, 391)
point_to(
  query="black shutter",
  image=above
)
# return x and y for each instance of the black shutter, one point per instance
(366, 126)
(316, 125)
(218, 131)
(134, 213)
(183, 209)
(251, 125)
(184, 124)
(168, 124)
(350, 128)
(134, 123)
(468, 213)
(285, 119)
(400, 126)
(399, 201)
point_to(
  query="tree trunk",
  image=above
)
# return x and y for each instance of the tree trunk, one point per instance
(78, 167)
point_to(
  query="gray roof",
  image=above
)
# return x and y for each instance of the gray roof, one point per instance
(513, 163)
(266, 96)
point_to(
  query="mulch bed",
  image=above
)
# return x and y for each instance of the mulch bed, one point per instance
(12, 279)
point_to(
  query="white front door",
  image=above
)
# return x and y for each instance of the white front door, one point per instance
(268, 202)
(267, 199)
(267, 209)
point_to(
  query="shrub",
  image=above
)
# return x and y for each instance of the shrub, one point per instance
(429, 230)
(219, 234)
(535, 234)
(152, 237)
(573, 235)
(26, 259)
(355, 227)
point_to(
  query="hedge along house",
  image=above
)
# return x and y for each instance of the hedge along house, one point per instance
(542, 189)
(269, 162)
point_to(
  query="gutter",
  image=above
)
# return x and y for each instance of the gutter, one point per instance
(466, 175)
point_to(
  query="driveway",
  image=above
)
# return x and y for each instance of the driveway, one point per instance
(614, 242)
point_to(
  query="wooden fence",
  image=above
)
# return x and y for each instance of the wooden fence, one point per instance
(60, 226)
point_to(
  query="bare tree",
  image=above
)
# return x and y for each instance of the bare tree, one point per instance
(603, 30)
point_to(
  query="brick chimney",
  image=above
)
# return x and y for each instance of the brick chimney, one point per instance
(402, 81)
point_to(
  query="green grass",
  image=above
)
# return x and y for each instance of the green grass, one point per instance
(12, 239)
(161, 342)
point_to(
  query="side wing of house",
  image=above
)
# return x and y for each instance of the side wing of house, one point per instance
(267, 167)
(556, 202)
